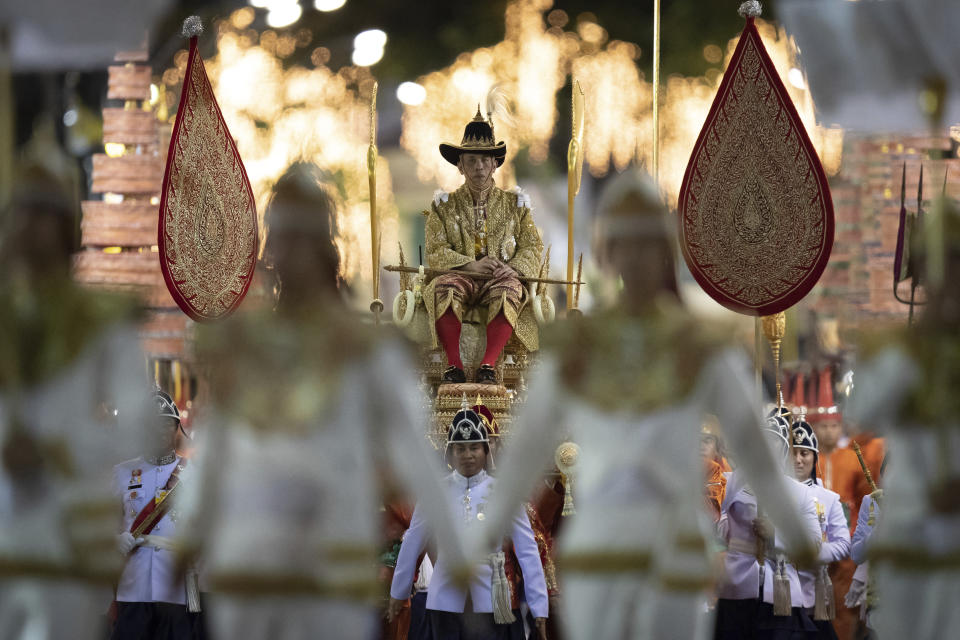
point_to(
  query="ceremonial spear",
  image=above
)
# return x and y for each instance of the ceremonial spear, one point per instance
(377, 305)
(574, 171)
(476, 276)
(903, 265)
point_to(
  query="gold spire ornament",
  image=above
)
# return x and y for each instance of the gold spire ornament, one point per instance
(566, 458)
(774, 328)
(377, 305)
(574, 171)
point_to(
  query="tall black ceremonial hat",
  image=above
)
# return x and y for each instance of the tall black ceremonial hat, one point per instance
(467, 426)
(477, 138)
(804, 436)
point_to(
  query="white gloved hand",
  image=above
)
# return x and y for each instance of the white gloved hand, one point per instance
(126, 542)
(855, 595)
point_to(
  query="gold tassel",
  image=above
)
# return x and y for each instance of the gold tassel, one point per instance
(782, 604)
(500, 589)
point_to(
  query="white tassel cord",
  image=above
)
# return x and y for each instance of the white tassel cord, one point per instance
(781, 590)
(500, 590)
(750, 9)
(192, 582)
(824, 607)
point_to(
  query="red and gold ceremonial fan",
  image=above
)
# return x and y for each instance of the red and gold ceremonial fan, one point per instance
(208, 219)
(756, 218)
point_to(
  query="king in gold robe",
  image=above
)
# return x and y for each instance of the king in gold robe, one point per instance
(489, 235)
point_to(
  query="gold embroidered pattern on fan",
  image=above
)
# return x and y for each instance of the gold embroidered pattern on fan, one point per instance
(208, 220)
(756, 218)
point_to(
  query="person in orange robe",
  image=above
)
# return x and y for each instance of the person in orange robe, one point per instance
(841, 472)
(714, 466)
(395, 519)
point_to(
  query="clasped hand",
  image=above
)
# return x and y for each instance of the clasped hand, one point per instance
(488, 265)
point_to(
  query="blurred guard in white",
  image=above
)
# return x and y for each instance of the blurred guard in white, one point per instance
(72, 396)
(834, 531)
(151, 600)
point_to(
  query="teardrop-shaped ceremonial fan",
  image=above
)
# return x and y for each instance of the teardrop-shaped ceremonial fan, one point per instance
(756, 218)
(207, 235)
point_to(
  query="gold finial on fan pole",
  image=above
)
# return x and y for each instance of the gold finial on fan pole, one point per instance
(574, 171)
(774, 328)
(377, 305)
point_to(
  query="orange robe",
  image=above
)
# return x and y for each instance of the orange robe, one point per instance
(396, 520)
(715, 487)
(841, 472)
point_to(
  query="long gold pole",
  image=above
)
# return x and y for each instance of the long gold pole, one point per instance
(758, 357)
(476, 276)
(572, 151)
(6, 118)
(574, 166)
(571, 195)
(863, 466)
(377, 305)
(656, 93)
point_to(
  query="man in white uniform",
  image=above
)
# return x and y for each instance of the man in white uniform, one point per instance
(834, 531)
(747, 593)
(151, 600)
(477, 612)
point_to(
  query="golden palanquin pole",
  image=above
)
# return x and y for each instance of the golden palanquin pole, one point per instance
(774, 328)
(574, 170)
(377, 305)
(656, 94)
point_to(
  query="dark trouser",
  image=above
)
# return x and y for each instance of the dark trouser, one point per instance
(752, 620)
(419, 624)
(154, 621)
(472, 626)
(825, 628)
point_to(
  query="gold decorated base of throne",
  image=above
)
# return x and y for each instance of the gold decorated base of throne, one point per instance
(450, 399)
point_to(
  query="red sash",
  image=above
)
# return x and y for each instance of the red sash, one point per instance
(151, 514)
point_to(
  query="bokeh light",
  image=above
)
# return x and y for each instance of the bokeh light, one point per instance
(411, 93)
(534, 63)
(283, 14)
(280, 116)
(328, 5)
(368, 47)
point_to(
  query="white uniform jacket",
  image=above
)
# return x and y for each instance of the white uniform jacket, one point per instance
(149, 573)
(834, 537)
(443, 594)
(742, 572)
(865, 524)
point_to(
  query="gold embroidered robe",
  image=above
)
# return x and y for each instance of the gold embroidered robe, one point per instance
(511, 237)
